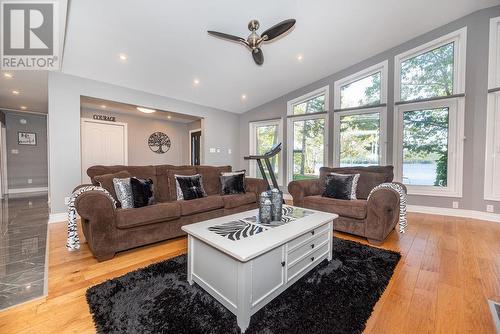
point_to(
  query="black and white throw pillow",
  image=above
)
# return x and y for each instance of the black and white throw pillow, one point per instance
(232, 182)
(189, 187)
(341, 186)
(123, 190)
(142, 192)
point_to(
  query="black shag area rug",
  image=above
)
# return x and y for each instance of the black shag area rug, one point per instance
(335, 297)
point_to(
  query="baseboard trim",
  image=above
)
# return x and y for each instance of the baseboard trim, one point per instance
(26, 190)
(493, 217)
(58, 217)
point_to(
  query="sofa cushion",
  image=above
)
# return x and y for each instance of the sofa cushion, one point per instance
(181, 170)
(369, 178)
(211, 174)
(106, 181)
(201, 205)
(236, 200)
(346, 208)
(127, 218)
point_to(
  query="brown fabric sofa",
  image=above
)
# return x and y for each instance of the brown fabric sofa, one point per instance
(374, 218)
(109, 230)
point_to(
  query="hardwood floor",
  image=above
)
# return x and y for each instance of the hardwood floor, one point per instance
(450, 267)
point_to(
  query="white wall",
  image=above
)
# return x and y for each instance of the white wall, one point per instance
(140, 127)
(221, 128)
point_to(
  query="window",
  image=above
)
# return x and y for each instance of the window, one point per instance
(360, 117)
(308, 134)
(263, 136)
(429, 118)
(492, 156)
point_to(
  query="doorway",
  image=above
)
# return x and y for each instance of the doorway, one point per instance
(195, 146)
(103, 143)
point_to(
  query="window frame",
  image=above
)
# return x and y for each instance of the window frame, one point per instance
(455, 146)
(491, 172)
(252, 127)
(383, 68)
(459, 38)
(293, 118)
(315, 93)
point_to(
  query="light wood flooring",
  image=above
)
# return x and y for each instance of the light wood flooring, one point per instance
(450, 267)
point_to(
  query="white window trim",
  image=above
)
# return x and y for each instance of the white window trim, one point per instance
(459, 37)
(380, 67)
(290, 134)
(253, 140)
(320, 91)
(491, 172)
(382, 131)
(455, 146)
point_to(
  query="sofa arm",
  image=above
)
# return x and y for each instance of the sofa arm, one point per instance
(382, 214)
(302, 188)
(255, 185)
(98, 222)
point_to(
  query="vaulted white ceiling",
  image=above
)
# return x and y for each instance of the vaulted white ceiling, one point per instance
(167, 45)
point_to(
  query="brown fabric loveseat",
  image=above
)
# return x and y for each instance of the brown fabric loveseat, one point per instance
(109, 230)
(374, 218)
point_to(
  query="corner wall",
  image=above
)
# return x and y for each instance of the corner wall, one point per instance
(475, 108)
(64, 128)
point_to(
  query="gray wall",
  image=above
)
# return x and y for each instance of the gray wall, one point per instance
(139, 128)
(30, 162)
(64, 128)
(475, 107)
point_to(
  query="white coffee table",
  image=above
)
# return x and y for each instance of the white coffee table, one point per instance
(244, 264)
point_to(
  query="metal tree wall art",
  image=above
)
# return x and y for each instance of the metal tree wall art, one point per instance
(159, 142)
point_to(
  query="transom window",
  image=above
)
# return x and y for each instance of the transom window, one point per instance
(360, 117)
(429, 74)
(362, 92)
(313, 105)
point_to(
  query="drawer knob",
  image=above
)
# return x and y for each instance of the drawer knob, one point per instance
(312, 259)
(283, 263)
(312, 232)
(312, 246)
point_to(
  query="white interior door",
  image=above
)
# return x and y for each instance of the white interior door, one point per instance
(103, 143)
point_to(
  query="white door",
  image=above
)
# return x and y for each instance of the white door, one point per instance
(103, 143)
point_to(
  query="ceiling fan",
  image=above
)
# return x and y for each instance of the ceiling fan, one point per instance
(254, 41)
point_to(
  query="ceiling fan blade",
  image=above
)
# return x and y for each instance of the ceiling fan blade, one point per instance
(258, 56)
(278, 29)
(227, 36)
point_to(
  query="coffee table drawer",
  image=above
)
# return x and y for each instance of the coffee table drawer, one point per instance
(306, 262)
(309, 235)
(314, 242)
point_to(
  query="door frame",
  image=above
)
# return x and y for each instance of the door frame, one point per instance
(82, 143)
(190, 132)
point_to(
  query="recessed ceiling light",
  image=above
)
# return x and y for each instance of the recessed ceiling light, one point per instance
(15, 92)
(146, 110)
(123, 56)
(196, 82)
(8, 75)
(103, 106)
(300, 57)
(23, 108)
(169, 117)
(243, 97)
